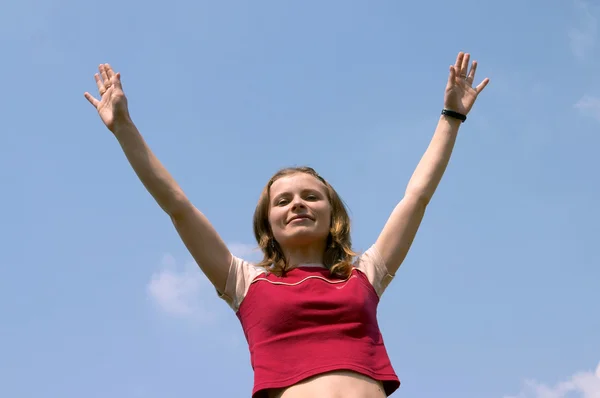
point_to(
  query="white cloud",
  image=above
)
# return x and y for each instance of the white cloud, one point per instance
(181, 291)
(589, 106)
(581, 385)
(246, 251)
(583, 36)
(184, 291)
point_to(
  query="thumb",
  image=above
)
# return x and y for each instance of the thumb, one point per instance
(91, 99)
(117, 80)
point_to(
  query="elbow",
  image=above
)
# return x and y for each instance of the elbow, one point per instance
(178, 207)
(417, 199)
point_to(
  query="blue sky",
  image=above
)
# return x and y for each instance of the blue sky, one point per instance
(499, 294)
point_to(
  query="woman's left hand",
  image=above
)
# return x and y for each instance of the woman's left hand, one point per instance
(460, 94)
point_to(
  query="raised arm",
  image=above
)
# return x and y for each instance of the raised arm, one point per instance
(197, 233)
(400, 230)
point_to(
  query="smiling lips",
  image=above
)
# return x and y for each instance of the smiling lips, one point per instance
(300, 217)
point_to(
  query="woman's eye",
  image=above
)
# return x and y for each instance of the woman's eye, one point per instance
(311, 197)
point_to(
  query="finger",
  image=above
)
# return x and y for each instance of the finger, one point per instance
(471, 75)
(458, 63)
(452, 75)
(482, 85)
(104, 75)
(100, 72)
(465, 65)
(109, 71)
(98, 82)
(117, 80)
(91, 99)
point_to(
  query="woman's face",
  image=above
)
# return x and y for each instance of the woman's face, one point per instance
(299, 211)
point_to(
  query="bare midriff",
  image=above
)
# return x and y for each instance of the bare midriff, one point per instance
(338, 384)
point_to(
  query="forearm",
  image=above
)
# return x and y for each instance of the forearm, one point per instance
(155, 177)
(432, 166)
(401, 228)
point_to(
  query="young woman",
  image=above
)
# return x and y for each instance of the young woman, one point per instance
(308, 309)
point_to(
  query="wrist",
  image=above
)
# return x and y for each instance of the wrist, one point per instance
(122, 126)
(447, 111)
(451, 122)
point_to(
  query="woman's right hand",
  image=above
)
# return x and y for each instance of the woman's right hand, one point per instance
(112, 106)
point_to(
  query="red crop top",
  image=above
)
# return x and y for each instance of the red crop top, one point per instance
(308, 322)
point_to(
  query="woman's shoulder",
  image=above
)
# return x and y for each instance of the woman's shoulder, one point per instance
(371, 264)
(241, 274)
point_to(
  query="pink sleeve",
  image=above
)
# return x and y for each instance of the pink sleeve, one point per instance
(372, 265)
(240, 276)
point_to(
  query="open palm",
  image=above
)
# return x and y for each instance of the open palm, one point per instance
(460, 94)
(112, 106)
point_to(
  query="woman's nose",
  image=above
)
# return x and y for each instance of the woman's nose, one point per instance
(298, 203)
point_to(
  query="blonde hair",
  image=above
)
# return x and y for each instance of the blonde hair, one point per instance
(338, 252)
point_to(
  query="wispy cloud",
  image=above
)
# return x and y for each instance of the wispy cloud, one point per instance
(589, 106)
(581, 385)
(583, 35)
(183, 291)
(246, 251)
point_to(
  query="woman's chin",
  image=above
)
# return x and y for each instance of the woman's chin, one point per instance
(303, 237)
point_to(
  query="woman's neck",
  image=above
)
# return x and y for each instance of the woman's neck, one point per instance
(305, 255)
